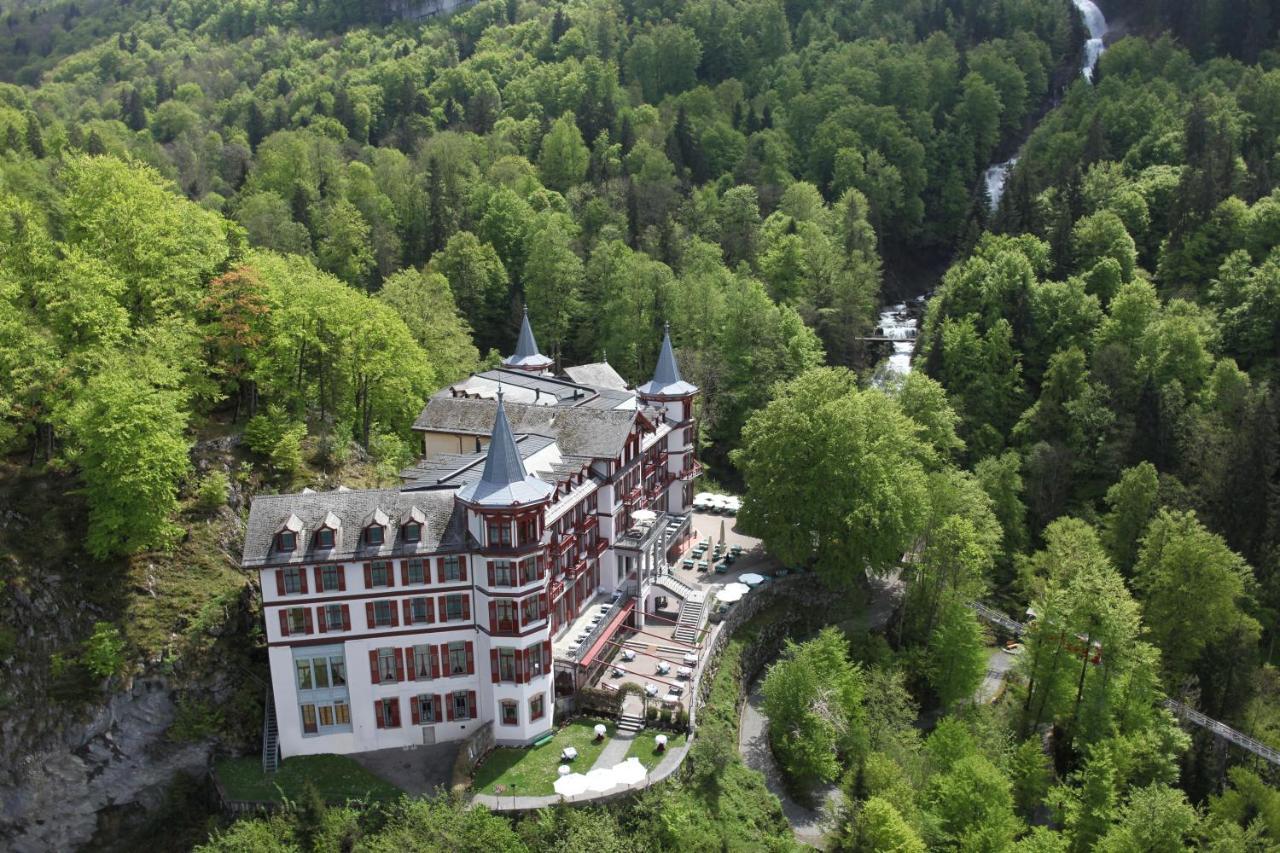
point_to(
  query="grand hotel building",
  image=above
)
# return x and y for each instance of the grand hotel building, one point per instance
(397, 617)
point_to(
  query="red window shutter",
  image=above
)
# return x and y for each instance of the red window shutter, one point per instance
(391, 574)
(471, 658)
(450, 708)
(368, 575)
(493, 578)
(415, 711)
(399, 668)
(395, 713)
(368, 613)
(373, 667)
(410, 672)
(493, 617)
(404, 573)
(440, 569)
(431, 610)
(302, 579)
(320, 620)
(342, 578)
(377, 713)
(519, 656)
(493, 665)
(462, 568)
(284, 622)
(395, 617)
(408, 612)
(346, 618)
(546, 655)
(437, 660)
(439, 707)
(319, 579)
(308, 627)
(471, 704)
(466, 607)
(280, 581)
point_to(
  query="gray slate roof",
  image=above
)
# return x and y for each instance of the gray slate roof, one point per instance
(592, 432)
(666, 381)
(598, 375)
(444, 527)
(504, 480)
(526, 354)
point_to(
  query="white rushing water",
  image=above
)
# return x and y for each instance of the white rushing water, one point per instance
(1096, 23)
(900, 327)
(895, 322)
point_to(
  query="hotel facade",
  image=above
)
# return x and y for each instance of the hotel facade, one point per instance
(407, 616)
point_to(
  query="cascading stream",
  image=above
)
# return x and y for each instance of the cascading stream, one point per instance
(895, 322)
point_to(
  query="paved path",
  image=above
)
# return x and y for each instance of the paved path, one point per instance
(418, 770)
(808, 825)
(999, 662)
(614, 751)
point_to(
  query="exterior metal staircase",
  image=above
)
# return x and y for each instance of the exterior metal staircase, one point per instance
(673, 584)
(690, 619)
(270, 737)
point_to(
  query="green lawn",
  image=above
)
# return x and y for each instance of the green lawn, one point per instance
(337, 777)
(644, 747)
(533, 770)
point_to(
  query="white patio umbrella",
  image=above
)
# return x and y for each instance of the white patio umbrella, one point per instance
(737, 587)
(564, 769)
(722, 531)
(629, 772)
(601, 780)
(751, 578)
(643, 515)
(728, 596)
(703, 497)
(571, 785)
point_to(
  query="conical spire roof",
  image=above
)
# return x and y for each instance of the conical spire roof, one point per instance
(526, 356)
(666, 381)
(504, 480)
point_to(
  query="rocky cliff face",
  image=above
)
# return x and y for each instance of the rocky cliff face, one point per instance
(85, 762)
(117, 758)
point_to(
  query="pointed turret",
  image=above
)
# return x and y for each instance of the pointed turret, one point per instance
(526, 356)
(666, 381)
(504, 480)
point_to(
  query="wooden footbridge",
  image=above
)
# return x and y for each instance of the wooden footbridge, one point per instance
(1183, 712)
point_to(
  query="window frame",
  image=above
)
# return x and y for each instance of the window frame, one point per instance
(383, 566)
(537, 707)
(448, 600)
(326, 538)
(292, 578)
(375, 539)
(416, 570)
(505, 706)
(458, 647)
(387, 669)
(463, 711)
(452, 568)
(289, 537)
(330, 577)
(330, 623)
(380, 608)
(411, 532)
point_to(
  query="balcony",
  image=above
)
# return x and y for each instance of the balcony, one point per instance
(602, 545)
(633, 495)
(562, 543)
(587, 522)
(693, 470)
(506, 628)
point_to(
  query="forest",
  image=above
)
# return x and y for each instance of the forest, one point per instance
(291, 222)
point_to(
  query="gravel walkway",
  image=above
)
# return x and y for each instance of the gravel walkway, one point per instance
(809, 825)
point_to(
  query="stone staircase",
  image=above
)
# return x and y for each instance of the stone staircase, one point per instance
(632, 719)
(270, 737)
(690, 620)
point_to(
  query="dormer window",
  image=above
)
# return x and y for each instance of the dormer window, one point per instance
(373, 534)
(412, 532)
(286, 540)
(324, 537)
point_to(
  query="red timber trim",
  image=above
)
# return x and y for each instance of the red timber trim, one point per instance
(386, 635)
(395, 593)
